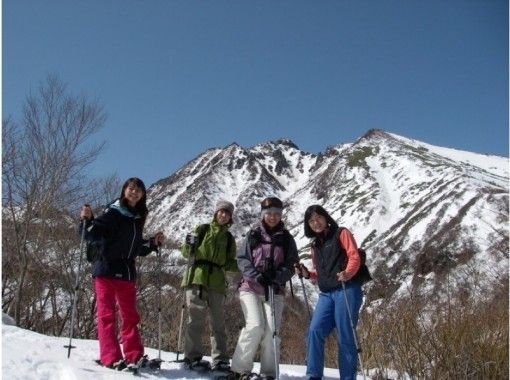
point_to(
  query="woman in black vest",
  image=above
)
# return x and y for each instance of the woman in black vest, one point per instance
(336, 263)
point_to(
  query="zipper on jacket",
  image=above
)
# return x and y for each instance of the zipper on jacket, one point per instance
(132, 241)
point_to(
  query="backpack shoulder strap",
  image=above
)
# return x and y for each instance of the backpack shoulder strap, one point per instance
(286, 241)
(340, 229)
(254, 237)
(201, 231)
(230, 241)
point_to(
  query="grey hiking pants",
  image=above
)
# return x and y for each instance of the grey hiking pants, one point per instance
(198, 304)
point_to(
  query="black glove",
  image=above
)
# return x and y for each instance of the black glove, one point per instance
(264, 280)
(269, 270)
(191, 239)
(271, 274)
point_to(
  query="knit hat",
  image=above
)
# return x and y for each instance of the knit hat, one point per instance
(271, 204)
(224, 205)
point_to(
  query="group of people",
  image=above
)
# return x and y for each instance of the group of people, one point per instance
(267, 259)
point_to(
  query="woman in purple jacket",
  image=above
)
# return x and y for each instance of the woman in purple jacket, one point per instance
(266, 262)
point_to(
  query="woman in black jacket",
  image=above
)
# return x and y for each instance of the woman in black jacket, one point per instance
(118, 234)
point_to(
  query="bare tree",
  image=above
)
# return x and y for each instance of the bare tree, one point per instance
(103, 191)
(44, 157)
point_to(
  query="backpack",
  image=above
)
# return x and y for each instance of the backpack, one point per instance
(93, 248)
(363, 274)
(282, 240)
(92, 251)
(255, 238)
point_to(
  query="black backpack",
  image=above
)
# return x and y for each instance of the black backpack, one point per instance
(93, 251)
(363, 274)
(93, 248)
(255, 238)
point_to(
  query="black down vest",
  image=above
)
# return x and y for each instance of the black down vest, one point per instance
(331, 258)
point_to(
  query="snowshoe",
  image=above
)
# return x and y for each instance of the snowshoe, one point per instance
(200, 365)
(221, 366)
(134, 368)
(143, 362)
(154, 364)
(249, 376)
(226, 376)
(119, 365)
(238, 376)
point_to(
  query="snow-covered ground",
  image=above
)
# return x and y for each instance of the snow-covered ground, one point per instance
(27, 355)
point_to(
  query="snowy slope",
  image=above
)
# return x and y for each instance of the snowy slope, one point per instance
(27, 355)
(495, 164)
(419, 210)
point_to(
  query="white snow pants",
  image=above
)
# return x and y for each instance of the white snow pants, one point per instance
(258, 330)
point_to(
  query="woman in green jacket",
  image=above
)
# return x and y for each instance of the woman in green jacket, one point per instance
(211, 251)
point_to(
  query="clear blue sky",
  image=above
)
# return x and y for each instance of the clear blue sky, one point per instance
(178, 77)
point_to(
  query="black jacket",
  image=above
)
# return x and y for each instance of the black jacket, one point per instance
(118, 235)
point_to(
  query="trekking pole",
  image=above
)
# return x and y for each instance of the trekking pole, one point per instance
(273, 317)
(183, 306)
(75, 295)
(306, 297)
(358, 348)
(156, 363)
(300, 275)
(158, 253)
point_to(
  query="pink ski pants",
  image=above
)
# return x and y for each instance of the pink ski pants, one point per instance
(109, 293)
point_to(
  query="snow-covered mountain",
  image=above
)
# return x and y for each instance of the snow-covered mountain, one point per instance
(420, 211)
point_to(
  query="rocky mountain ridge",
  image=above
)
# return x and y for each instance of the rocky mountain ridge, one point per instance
(420, 211)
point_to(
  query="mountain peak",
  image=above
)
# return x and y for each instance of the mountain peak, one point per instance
(233, 145)
(280, 142)
(375, 133)
(286, 142)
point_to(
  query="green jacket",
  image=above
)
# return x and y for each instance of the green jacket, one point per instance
(211, 259)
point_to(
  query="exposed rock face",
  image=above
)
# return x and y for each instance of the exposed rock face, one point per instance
(421, 211)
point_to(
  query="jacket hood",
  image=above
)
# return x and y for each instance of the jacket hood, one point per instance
(214, 224)
(123, 210)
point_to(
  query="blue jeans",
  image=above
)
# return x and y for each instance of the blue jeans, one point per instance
(331, 312)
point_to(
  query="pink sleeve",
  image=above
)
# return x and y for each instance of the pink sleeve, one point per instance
(353, 260)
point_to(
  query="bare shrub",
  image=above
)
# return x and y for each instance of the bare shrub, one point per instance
(465, 337)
